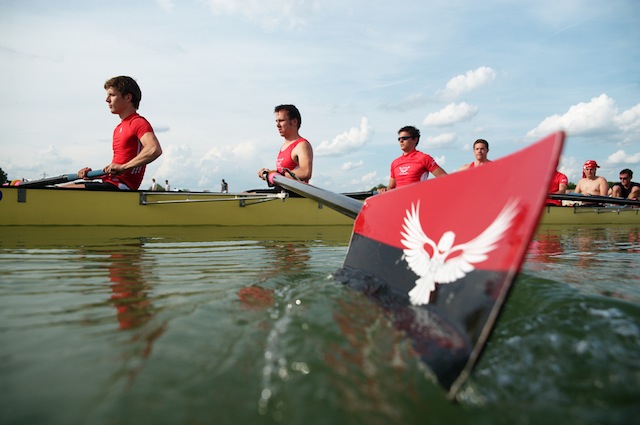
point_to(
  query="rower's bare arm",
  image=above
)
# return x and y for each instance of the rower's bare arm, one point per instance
(150, 151)
(391, 185)
(439, 172)
(603, 186)
(562, 188)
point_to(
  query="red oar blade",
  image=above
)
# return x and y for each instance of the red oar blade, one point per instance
(441, 255)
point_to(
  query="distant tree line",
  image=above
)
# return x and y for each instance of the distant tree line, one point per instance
(3, 177)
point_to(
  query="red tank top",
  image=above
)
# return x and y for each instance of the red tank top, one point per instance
(284, 159)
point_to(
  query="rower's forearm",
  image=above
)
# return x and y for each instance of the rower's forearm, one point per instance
(145, 157)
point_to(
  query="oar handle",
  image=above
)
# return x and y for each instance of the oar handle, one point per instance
(90, 175)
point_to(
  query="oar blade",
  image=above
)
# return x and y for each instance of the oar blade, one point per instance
(64, 178)
(465, 235)
(48, 181)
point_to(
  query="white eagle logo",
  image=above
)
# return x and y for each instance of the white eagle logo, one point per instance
(448, 263)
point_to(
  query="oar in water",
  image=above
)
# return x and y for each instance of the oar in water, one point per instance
(577, 197)
(440, 256)
(64, 178)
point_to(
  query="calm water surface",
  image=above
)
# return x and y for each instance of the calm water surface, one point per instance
(244, 326)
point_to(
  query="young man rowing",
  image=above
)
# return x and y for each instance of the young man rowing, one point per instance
(295, 154)
(134, 143)
(412, 166)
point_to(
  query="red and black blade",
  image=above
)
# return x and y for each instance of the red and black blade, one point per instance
(450, 330)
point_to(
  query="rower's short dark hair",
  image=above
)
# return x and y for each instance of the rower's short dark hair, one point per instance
(292, 112)
(413, 132)
(484, 142)
(126, 85)
(627, 171)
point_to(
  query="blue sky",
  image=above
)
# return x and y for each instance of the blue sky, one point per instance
(211, 72)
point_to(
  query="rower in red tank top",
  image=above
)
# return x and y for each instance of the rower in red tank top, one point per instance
(296, 153)
(480, 150)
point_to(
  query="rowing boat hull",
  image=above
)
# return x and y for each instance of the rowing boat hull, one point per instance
(66, 207)
(582, 215)
(75, 207)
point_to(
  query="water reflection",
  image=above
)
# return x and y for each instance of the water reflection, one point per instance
(598, 260)
(130, 291)
(288, 257)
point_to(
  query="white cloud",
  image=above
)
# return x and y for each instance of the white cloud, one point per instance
(367, 180)
(441, 160)
(346, 142)
(451, 114)
(412, 101)
(629, 120)
(471, 80)
(270, 15)
(621, 157)
(439, 141)
(166, 5)
(597, 116)
(352, 165)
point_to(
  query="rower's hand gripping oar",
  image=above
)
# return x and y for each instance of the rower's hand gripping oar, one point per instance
(442, 266)
(64, 178)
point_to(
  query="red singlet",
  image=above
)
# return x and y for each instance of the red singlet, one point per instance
(284, 159)
(554, 186)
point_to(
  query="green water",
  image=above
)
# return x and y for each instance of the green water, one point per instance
(212, 326)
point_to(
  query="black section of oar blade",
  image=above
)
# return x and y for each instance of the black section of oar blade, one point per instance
(440, 345)
(444, 332)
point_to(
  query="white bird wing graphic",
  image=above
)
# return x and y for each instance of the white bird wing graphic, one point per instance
(441, 267)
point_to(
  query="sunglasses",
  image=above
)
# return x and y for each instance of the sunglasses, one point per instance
(403, 138)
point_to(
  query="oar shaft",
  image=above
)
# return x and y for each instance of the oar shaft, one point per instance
(64, 178)
(341, 203)
(575, 197)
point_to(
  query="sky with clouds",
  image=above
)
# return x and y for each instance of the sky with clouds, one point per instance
(211, 72)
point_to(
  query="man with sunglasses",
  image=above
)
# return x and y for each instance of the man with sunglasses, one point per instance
(412, 166)
(626, 188)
